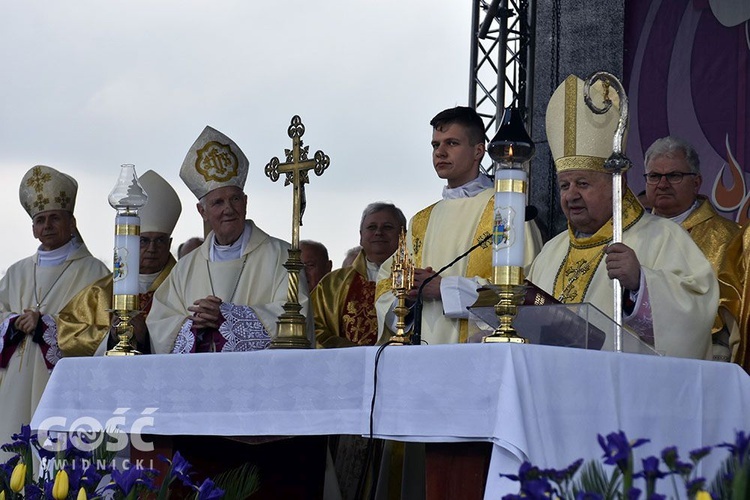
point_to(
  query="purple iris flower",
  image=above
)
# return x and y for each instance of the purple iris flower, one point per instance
(536, 489)
(23, 437)
(127, 480)
(741, 446)
(524, 472)
(651, 469)
(694, 486)
(34, 492)
(180, 468)
(21, 441)
(633, 494)
(617, 448)
(209, 491)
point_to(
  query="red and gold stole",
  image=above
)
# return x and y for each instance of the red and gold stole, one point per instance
(359, 322)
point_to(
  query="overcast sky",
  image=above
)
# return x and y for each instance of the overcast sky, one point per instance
(88, 85)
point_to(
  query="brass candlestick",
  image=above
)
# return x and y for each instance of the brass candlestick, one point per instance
(126, 197)
(291, 324)
(125, 308)
(402, 276)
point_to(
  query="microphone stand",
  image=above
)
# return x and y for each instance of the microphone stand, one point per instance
(416, 336)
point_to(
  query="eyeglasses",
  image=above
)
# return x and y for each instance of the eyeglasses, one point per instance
(672, 177)
(159, 241)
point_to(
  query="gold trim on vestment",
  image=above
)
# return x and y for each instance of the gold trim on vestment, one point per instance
(480, 260)
(584, 254)
(383, 286)
(571, 115)
(418, 231)
(593, 163)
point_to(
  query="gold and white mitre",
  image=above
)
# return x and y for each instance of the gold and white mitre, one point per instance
(163, 207)
(578, 138)
(214, 161)
(44, 188)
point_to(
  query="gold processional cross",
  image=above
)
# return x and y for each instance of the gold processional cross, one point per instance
(291, 324)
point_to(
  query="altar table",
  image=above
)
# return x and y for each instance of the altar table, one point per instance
(538, 403)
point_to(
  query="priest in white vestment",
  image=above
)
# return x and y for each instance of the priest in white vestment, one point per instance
(34, 290)
(443, 231)
(670, 290)
(228, 294)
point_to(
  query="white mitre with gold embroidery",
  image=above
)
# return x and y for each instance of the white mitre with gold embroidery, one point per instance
(163, 207)
(44, 188)
(578, 138)
(214, 161)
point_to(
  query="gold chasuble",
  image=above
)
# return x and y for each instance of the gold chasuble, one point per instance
(734, 278)
(584, 254)
(712, 233)
(84, 323)
(437, 235)
(344, 307)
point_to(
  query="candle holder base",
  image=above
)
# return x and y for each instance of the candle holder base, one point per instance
(291, 326)
(504, 338)
(123, 328)
(401, 336)
(290, 329)
(510, 297)
(119, 350)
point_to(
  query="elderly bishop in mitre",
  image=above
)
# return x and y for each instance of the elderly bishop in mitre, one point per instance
(670, 291)
(228, 294)
(34, 290)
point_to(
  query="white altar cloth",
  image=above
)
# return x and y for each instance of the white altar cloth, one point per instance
(538, 403)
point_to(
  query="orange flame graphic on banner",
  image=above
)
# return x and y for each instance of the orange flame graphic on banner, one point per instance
(728, 199)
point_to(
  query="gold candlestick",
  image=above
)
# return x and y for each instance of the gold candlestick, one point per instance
(125, 308)
(126, 197)
(291, 323)
(402, 276)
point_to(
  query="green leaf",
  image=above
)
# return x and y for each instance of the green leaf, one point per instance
(594, 479)
(240, 482)
(741, 482)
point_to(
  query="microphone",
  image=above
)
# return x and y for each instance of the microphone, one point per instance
(416, 335)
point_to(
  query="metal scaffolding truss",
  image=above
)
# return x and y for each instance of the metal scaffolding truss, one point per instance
(502, 59)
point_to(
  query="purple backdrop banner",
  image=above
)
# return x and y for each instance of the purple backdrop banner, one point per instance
(687, 74)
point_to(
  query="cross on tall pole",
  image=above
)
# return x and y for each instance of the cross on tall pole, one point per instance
(291, 324)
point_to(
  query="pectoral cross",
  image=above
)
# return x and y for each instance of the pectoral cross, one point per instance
(291, 324)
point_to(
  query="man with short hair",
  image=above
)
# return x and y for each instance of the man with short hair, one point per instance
(448, 228)
(314, 256)
(188, 246)
(34, 290)
(228, 294)
(670, 291)
(673, 181)
(344, 301)
(351, 254)
(84, 325)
